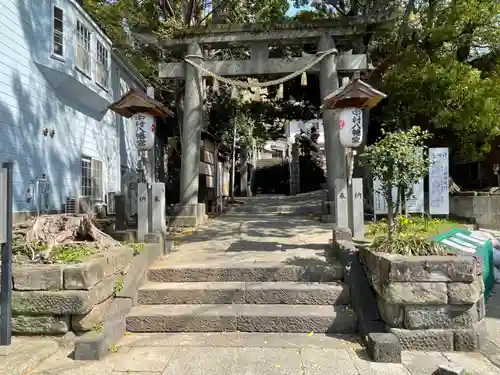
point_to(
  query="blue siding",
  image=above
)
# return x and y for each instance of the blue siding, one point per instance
(29, 103)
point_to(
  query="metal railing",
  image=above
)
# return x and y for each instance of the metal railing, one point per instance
(6, 245)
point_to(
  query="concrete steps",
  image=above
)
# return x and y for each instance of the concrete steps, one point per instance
(322, 272)
(248, 298)
(240, 292)
(242, 318)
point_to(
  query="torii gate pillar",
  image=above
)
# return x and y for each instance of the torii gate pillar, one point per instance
(329, 82)
(189, 212)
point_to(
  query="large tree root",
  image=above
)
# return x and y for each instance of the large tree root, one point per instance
(52, 231)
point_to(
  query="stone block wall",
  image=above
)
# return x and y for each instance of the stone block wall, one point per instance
(431, 303)
(480, 208)
(54, 299)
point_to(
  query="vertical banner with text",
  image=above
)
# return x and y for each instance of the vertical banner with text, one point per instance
(439, 198)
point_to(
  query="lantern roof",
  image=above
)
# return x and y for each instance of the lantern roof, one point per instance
(137, 101)
(355, 94)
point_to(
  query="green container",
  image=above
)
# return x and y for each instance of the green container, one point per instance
(464, 242)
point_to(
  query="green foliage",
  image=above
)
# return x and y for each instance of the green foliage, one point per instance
(438, 68)
(137, 246)
(397, 160)
(407, 244)
(452, 98)
(70, 253)
(417, 225)
(119, 286)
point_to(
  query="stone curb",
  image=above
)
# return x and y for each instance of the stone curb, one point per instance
(382, 346)
(95, 345)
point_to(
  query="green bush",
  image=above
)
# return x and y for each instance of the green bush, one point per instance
(407, 244)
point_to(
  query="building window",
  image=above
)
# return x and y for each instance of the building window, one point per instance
(102, 64)
(91, 183)
(83, 42)
(58, 32)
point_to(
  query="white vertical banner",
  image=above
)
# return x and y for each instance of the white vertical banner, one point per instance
(416, 202)
(379, 202)
(439, 185)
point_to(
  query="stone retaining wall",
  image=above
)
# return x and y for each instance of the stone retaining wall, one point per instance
(429, 302)
(481, 208)
(90, 299)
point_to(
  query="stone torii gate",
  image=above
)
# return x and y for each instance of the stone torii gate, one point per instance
(329, 35)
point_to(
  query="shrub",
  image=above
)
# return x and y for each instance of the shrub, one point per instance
(407, 244)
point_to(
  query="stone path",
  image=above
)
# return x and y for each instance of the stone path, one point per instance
(230, 354)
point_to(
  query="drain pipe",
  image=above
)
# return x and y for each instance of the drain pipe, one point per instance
(37, 193)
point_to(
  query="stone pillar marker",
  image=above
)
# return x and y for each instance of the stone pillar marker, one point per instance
(142, 211)
(158, 207)
(295, 169)
(244, 171)
(329, 82)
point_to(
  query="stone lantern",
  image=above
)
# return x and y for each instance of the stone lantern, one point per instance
(150, 198)
(350, 100)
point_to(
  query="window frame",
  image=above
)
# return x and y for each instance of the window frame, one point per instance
(107, 66)
(92, 186)
(84, 25)
(63, 47)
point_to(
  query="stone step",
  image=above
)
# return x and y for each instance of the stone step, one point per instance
(242, 318)
(312, 273)
(240, 292)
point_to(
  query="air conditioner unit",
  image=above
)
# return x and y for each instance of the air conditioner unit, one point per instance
(71, 207)
(111, 202)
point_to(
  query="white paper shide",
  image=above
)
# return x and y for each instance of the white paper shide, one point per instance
(439, 199)
(145, 131)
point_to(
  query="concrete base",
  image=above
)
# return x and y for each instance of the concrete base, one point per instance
(188, 215)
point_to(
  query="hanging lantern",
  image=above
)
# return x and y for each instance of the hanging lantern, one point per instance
(351, 127)
(145, 131)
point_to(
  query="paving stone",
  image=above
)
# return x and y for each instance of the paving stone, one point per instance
(270, 361)
(29, 355)
(423, 363)
(473, 363)
(209, 361)
(244, 339)
(142, 359)
(323, 361)
(38, 277)
(365, 366)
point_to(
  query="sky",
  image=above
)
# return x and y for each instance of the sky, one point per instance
(292, 11)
